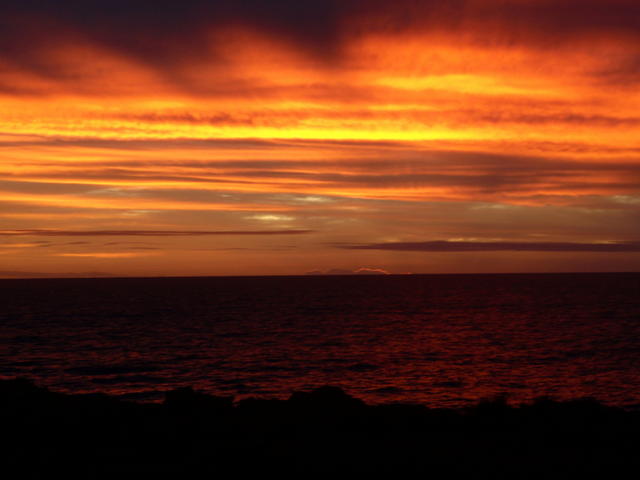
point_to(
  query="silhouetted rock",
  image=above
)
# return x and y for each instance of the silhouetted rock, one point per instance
(326, 397)
(18, 386)
(187, 400)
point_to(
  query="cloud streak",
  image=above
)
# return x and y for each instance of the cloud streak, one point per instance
(144, 233)
(147, 181)
(471, 246)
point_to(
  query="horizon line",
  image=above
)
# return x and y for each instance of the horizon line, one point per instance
(305, 275)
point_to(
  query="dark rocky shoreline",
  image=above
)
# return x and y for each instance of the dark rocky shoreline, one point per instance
(321, 432)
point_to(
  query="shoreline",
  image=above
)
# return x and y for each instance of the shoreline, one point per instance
(320, 431)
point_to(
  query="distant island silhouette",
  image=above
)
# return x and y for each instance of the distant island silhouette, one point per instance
(318, 432)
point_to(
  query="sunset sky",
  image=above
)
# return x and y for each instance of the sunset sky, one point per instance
(277, 137)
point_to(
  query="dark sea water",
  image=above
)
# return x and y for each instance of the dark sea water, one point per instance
(441, 340)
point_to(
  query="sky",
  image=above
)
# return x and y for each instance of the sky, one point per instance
(280, 137)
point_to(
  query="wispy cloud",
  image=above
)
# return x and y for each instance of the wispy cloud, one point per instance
(144, 183)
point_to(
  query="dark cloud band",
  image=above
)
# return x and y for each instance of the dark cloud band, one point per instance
(166, 34)
(450, 246)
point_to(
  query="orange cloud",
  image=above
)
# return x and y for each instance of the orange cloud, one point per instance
(346, 118)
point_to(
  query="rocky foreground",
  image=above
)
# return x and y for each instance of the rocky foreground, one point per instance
(325, 431)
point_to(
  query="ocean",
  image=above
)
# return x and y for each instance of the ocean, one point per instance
(438, 340)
